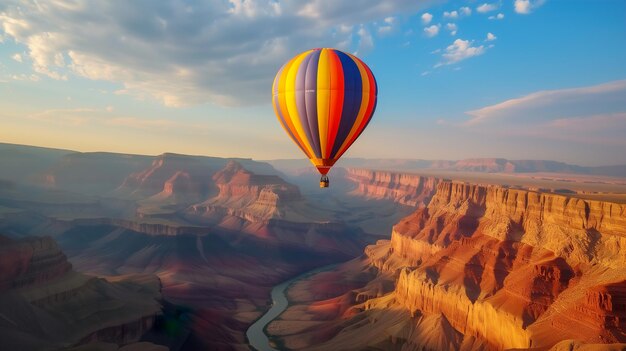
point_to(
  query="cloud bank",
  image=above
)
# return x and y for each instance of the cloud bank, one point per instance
(185, 53)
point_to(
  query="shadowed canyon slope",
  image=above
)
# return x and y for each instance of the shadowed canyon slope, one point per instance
(45, 305)
(481, 267)
(217, 234)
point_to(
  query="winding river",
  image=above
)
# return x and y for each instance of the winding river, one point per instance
(256, 333)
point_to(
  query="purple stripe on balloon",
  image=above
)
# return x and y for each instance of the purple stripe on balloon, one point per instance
(277, 80)
(310, 100)
(301, 99)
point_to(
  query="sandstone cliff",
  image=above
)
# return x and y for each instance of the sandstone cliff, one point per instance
(246, 195)
(484, 267)
(404, 188)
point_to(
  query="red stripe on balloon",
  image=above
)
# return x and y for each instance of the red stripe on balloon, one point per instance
(336, 100)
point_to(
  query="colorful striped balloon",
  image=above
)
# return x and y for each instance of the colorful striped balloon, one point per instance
(324, 99)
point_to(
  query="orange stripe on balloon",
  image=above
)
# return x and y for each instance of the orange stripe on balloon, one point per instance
(276, 111)
(336, 101)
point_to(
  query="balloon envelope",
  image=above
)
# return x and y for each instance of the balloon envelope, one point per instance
(324, 99)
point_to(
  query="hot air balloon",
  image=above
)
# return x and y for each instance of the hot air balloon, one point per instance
(324, 99)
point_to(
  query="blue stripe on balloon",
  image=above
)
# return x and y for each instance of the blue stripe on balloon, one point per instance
(353, 93)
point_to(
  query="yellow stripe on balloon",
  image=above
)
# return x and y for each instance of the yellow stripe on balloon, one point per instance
(290, 97)
(323, 97)
(365, 97)
(285, 110)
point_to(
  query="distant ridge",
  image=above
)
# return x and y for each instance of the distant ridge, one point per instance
(482, 165)
(23, 160)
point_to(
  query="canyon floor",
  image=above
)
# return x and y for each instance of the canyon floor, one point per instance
(107, 251)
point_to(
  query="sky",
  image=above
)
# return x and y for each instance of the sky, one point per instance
(517, 79)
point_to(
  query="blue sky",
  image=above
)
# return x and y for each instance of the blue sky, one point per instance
(457, 79)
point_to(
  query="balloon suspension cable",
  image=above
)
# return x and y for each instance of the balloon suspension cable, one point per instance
(324, 182)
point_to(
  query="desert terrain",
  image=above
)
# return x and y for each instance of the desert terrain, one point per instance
(190, 247)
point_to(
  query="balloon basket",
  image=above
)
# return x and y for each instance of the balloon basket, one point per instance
(324, 182)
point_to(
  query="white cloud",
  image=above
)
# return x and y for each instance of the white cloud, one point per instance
(426, 18)
(487, 7)
(17, 57)
(452, 28)
(222, 52)
(460, 50)
(590, 120)
(384, 30)
(432, 30)
(345, 28)
(250, 8)
(451, 15)
(525, 7)
(465, 11)
(25, 77)
(366, 42)
(491, 37)
(598, 99)
(497, 17)
(388, 27)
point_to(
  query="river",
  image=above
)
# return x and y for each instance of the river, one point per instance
(256, 333)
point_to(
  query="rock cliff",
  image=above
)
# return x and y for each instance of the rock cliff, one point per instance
(168, 174)
(404, 188)
(45, 305)
(246, 195)
(486, 267)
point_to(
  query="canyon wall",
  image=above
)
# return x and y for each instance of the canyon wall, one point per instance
(45, 305)
(479, 268)
(404, 188)
(515, 268)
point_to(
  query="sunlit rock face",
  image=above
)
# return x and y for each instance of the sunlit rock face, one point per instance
(404, 188)
(247, 195)
(515, 268)
(481, 267)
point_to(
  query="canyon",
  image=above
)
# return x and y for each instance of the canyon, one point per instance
(185, 250)
(215, 234)
(480, 267)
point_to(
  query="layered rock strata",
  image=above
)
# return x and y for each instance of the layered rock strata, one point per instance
(485, 267)
(404, 188)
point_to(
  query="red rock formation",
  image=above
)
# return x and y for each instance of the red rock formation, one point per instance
(407, 189)
(492, 268)
(169, 173)
(246, 195)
